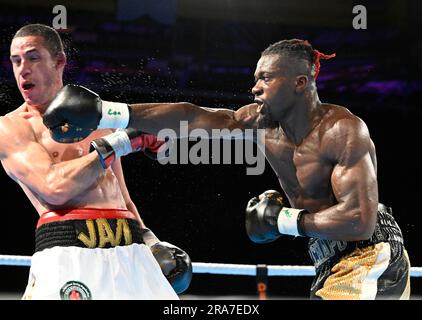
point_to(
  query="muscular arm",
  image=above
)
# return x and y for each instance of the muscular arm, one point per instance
(27, 162)
(152, 117)
(354, 186)
(76, 111)
(130, 205)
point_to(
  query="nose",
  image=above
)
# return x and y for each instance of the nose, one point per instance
(257, 89)
(24, 68)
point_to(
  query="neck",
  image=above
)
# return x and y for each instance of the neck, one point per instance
(39, 108)
(302, 117)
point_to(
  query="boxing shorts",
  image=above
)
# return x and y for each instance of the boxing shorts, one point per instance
(93, 254)
(377, 268)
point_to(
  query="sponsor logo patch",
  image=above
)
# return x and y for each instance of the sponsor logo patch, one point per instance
(75, 290)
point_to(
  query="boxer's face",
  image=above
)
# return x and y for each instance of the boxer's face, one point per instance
(36, 72)
(274, 88)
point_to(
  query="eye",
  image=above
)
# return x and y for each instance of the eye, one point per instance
(266, 77)
(263, 78)
(15, 61)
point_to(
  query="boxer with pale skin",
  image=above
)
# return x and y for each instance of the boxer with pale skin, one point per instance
(52, 174)
(86, 212)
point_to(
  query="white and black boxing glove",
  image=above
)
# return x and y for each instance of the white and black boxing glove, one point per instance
(77, 111)
(174, 262)
(267, 218)
(125, 141)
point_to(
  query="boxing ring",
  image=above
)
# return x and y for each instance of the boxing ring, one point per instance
(260, 271)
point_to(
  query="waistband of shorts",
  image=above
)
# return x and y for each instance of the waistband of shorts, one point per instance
(83, 214)
(330, 251)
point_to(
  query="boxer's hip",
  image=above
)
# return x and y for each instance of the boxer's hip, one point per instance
(121, 272)
(383, 251)
(372, 272)
(330, 251)
(93, 254)
(87, 228)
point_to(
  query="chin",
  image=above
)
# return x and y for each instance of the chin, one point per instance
(34, 101)
(30, 101)
(260, 121)
(265, 122)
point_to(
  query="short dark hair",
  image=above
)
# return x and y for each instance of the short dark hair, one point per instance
(52, 41)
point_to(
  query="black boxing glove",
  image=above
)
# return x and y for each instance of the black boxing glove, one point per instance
(267, 218)
(77, 111)
(125, 141)
(175, 263)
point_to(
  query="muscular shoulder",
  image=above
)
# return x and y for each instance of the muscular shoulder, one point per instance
(340, 122)
(344, 136)
(22, 108)
(14, 132)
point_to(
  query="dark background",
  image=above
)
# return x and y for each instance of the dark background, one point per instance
(205, 52)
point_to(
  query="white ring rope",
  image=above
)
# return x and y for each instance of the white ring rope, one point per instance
(216, 268)
(250, 269)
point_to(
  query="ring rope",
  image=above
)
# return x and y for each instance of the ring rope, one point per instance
(216, 268)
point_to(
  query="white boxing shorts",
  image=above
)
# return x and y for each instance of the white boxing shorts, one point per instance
(105, 264)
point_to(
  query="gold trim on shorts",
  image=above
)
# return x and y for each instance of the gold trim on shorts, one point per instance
(355, 276)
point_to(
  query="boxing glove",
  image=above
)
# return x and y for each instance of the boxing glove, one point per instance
(175, 263)
(77, 111)
(267, 218)
(125, 141)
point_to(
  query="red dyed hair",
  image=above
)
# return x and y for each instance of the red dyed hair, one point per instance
(317, 57)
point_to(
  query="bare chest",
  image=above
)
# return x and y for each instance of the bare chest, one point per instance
(59, 151)
(302, 170)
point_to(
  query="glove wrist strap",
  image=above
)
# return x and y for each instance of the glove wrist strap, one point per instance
(120, 142)
(111, 147)
(149, 237)
(114, 115)
(288, 221)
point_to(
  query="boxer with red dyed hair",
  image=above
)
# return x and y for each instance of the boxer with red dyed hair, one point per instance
(324, 159)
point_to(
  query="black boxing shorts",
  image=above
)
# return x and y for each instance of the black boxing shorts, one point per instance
(377, 268)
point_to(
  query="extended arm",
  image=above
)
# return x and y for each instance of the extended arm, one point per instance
(76, 111)
(152, 117)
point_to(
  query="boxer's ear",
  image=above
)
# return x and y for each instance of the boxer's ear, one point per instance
(301, 83)
(61, 60)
